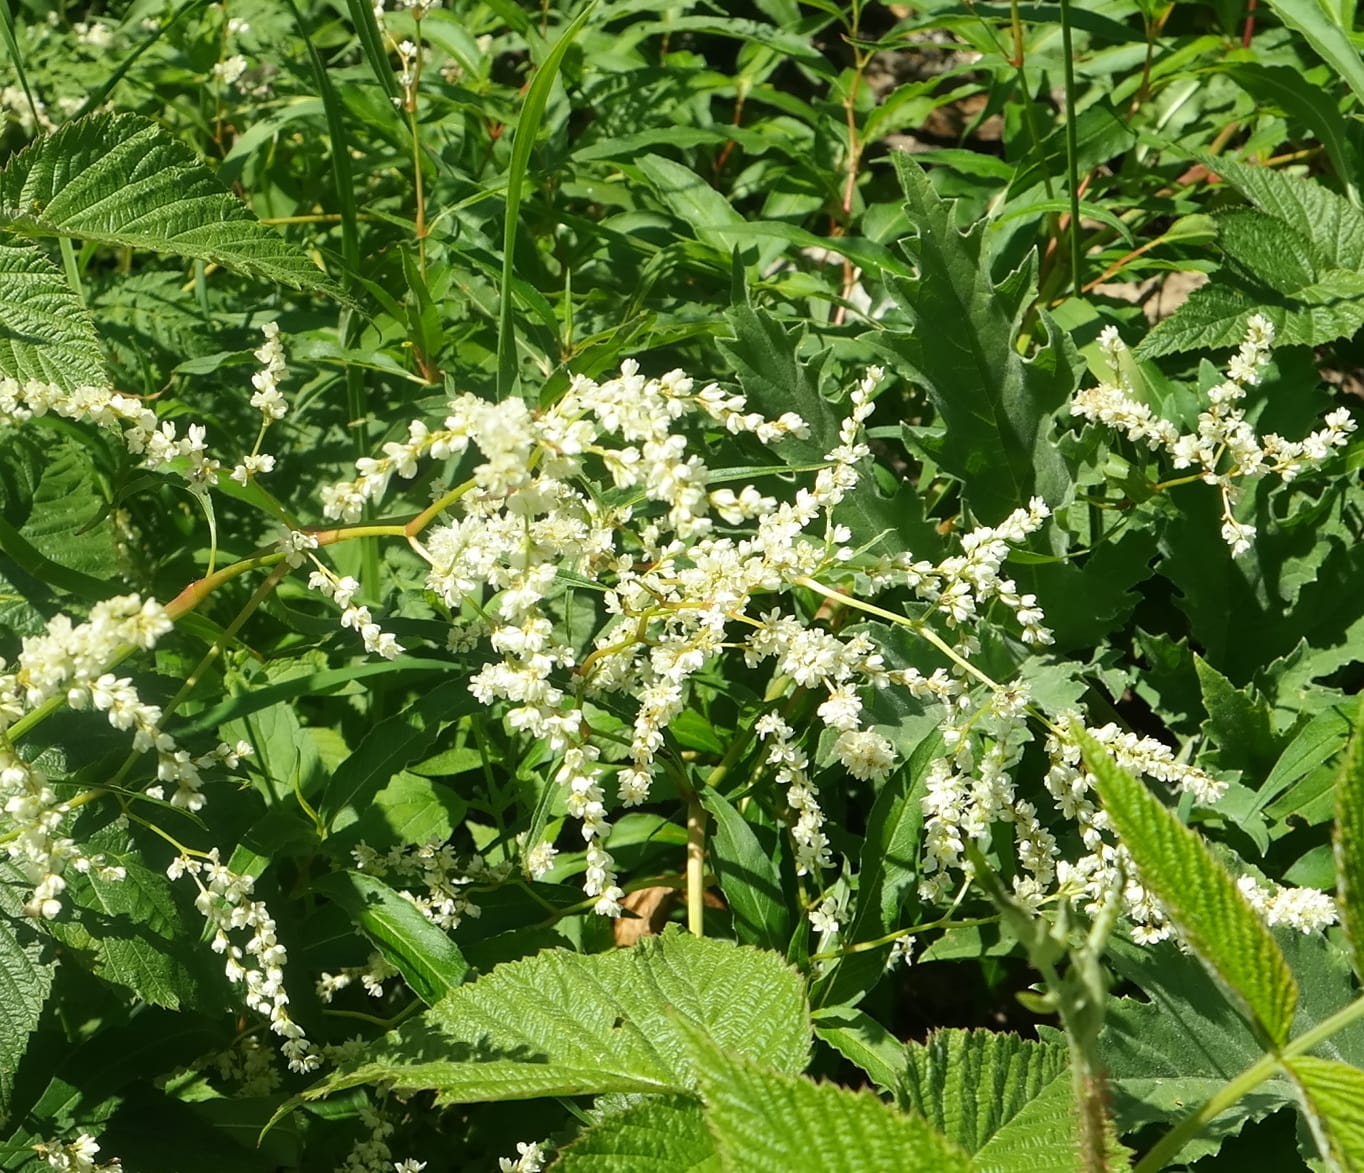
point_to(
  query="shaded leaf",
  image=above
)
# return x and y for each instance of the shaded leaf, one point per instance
(996, 405)
(431, 963)
(1349, 842)
(749, 879)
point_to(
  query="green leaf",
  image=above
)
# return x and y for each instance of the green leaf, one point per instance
(764, 1121)
(47, 334)
(1333, 1101)
(392, 745)
(563, 1024)
(997, 406)
(749, 879)
(1327, 37)
(25, 979)
(888, 876)
(118, 179)
(860, 1039)
(776, 377)
(1238, 724)
(663, 1134)
(1198, 895)
(1349, 842)
(1306, 101)
(976, 1086)
(1303, 250)
(694, 202)
(431, 963)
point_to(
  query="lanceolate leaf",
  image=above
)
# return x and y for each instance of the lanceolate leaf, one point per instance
(749, 879)
(392, 745)
(1198, 894)
(431, 963)
(1349, 842)
(565, 1024)
(996, 405)
(118, 179)
(45, 332)
(1332, 1096)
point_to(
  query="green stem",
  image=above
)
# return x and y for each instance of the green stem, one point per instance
(1173, 1141)
(1072, 149)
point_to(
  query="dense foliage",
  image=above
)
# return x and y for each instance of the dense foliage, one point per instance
(657, 587)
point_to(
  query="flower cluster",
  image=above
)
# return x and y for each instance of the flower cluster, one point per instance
(70, 663)
(268, 400)
(435, 869)
(1224, 447)
(673, 581)
(77, 1156)
(341, 590)
(225, 902)
(371, 975)
(530, 1158)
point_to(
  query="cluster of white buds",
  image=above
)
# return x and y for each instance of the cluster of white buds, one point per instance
(225, 902)
(1224, 446)
(248, 1064)
(961, 586)
(812, 845)
(372, 975)
(672, 583)
(436, 869)
(1306, 909)
(70, 662)
(77, 1156)
(530, 1158)
(268, 400)
(342, 590)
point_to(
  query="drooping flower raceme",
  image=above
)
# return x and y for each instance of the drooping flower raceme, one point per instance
(1224, 448)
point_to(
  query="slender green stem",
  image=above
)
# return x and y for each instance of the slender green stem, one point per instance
(1072, 149)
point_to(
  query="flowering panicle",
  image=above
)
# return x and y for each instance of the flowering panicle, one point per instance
(70, 662)
(257, 964)
(267, 399)
(673, 580)
(1224, 447)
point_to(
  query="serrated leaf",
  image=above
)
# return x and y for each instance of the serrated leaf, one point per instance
(1333, 1101)
(25, 979)
(776, 377)
(564, 1024)
(431, 963)
(973, 1085)
(750, 880)
(1238, 724)
(664, 1134)
(996, 405)
(119, 179)
(1330, 235)
(47, 335)
(767, 1122)
(1349, 842)
(391, 745)
(1197, 893)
